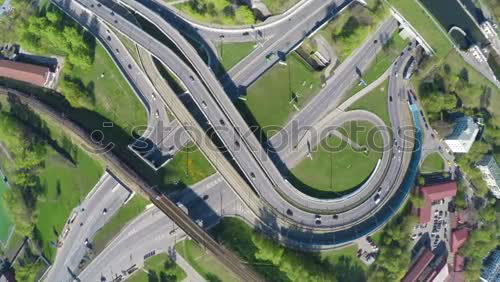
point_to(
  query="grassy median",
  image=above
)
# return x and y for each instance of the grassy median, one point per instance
(222, 12)
(375, 102)
(336, 168)
(268, 103)
(159, 268)
(231, 53)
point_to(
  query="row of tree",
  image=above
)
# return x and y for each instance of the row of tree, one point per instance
(482, 240)
(395, 247)
(50, 32)
(226, 10)
(29, 151)
(273, 261)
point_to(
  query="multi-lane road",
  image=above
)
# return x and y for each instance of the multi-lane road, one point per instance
(259, 169)
(262, 174)
(94, 212)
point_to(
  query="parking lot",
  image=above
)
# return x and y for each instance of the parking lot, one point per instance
(438, 229)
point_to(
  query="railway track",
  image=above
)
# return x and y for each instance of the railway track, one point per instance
(135, 182)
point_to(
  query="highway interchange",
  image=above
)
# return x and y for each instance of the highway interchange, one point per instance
(266, 197)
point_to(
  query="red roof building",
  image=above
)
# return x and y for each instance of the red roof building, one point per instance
(419, 266)
(435, 193)
(458, 238)
(33, 74)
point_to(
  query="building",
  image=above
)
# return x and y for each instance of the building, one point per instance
(488, 29)
(476, 52)
(428, 267)
(491, 174)
(432, 194)
(458, 238)
(491, 267)
(37, 75)
(418, 267)
(463, 135)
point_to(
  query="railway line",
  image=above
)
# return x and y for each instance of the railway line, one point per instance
(135, 182)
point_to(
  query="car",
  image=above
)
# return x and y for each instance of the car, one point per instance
(414, 236)
(104, 211)
(157, 114)
(153, 96)
(129, 66)
(376, 199)
(379, 189)
(191, 77)
(203, 104)
(289, 212)
(390, 98)
(205, 197)
(86, 242)
(317, 221)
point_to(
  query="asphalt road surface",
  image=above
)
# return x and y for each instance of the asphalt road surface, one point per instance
(261, 174)
(154, 231)
(109, 195)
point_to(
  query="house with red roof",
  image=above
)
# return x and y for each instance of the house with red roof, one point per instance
(458, 238)
(432, 194)
(419, 266)
(34, 74)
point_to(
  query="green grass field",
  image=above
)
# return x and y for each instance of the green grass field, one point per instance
(231, 53)
(279, 6)
(268, 99)
(424, 25)
(186, 168)
(124, 215)
(366, 21)
(5, 221)
(432, 163)
(203, 262)
(383, 61)
(346, 265)
(215, 12)
(65, 187)
(158, 268)
(336, 168)
(114, 98)
(375, 102)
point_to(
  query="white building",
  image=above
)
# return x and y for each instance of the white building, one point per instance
(491, 174)
(488, 29)
(463, 135)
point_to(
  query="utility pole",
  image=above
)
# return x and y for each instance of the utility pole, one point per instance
(187, 161)
(221, 47)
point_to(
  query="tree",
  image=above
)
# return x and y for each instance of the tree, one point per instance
(76, 94)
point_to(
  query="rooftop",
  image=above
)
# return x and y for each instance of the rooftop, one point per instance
(24, 72)
(434, 193)
(465, 129)
(490, 162)
(419, 266)
(458, 238)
